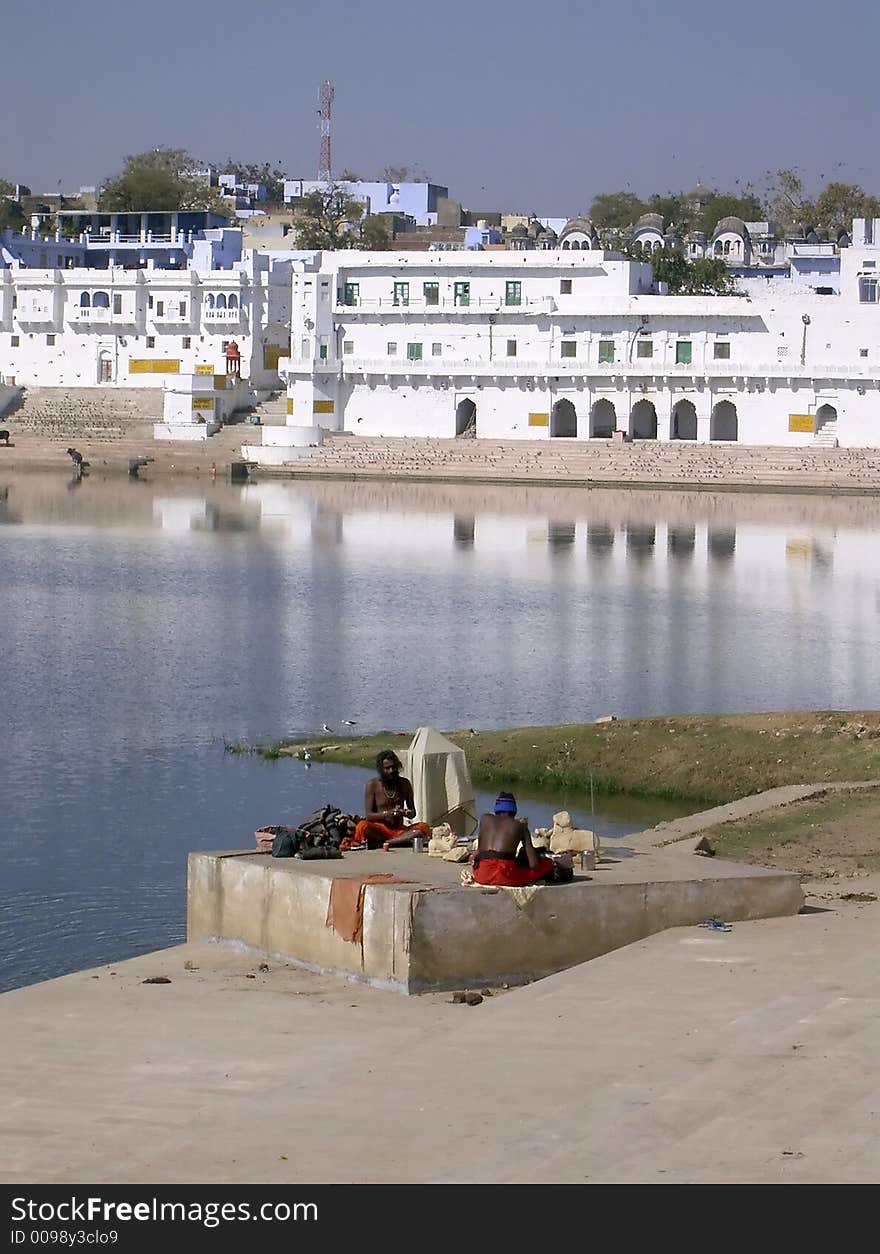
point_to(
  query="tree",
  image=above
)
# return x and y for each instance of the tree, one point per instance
(163, 180)
(670, 266)
(728, 205)
(616, 209)
(331, 218)
(706, 276)
(786, 199)
(404, 174)
(839, 203)
(11, 213)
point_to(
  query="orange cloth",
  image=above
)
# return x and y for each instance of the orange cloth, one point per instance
(367, 829)
(345, 909)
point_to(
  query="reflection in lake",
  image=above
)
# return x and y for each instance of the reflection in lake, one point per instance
(142, 622)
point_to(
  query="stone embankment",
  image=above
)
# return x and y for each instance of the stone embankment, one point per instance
(568, 462)
(109, 426)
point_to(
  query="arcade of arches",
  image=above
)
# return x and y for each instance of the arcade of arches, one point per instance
(643, 422)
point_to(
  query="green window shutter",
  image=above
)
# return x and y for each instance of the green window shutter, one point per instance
(683, 353)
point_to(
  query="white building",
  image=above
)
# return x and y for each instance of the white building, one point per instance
(136, 327)
(576, 344)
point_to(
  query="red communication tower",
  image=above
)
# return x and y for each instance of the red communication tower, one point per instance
(325, 165)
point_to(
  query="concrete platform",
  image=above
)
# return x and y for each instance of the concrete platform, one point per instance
(430, 934)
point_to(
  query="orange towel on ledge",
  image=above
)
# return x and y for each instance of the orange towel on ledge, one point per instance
(345, 909)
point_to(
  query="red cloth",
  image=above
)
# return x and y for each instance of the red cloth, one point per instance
(370, 832)
(503, 873)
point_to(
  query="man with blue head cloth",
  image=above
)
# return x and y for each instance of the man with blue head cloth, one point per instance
(505, 854)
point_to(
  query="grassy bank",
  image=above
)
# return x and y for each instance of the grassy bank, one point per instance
(695, 759)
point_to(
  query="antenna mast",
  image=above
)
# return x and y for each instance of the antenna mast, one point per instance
(325, 164)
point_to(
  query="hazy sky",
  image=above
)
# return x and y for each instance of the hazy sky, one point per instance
(519, 106)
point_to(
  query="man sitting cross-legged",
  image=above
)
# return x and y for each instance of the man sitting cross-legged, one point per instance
(388, 800)
(497, 861)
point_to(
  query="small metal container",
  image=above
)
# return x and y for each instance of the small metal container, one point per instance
(418, 844)
(588, 860)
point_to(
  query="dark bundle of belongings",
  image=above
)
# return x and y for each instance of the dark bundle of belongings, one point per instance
(323, 834)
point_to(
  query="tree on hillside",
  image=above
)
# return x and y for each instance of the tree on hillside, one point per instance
(616, 209)
(251, 172)
(839, 203)
(162, 180)
(331, 218)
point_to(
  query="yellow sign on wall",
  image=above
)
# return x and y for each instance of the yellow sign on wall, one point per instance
(290, 404)
(322, 407)
(800, 422)
(203, 402)
(204, 369)
(539, 420)
(272, 354)
(153, 365)
(220, 382)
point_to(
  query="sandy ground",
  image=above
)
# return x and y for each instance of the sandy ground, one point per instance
(832, 837)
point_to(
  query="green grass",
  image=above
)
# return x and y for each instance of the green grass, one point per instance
(695, 760)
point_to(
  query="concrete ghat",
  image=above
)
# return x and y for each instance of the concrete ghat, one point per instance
(431, 934)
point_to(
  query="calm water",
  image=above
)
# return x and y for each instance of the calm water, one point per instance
(142, 624)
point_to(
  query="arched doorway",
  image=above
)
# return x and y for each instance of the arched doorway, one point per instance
(825, 414)
(723, 424)
(603, 420)
(563, 419)
(466, 417)
(684, 421)
(643, 421)
(105, 366)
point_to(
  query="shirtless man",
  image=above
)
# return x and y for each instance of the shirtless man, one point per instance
(388, 800)
(497, 862)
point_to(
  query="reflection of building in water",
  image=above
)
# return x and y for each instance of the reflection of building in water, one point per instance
(680, 541)
(721, 543)
(561, 536)
(326, 526)
(463, 531)
(600, 539)
(640, 541)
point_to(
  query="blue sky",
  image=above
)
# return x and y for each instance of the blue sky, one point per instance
(520, 106)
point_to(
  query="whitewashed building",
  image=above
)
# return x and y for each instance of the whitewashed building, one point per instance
(576, 344)
(121, 327)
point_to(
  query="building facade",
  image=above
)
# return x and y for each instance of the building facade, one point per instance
(576, 344)
(123, 327)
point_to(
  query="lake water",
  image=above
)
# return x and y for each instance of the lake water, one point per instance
(144, 623)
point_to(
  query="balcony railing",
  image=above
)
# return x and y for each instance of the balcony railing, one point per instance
(223, 315)
(572, 367)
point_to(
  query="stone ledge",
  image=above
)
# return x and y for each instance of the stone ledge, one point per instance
(431, 934)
